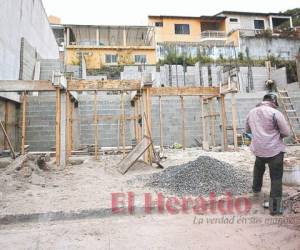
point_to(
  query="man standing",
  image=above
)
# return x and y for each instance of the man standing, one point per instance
(268, 127)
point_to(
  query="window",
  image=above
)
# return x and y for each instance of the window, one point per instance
(233, 20)
(182, 29)
(259, 24)
(159, 24)
(111, 58)
(140, 59)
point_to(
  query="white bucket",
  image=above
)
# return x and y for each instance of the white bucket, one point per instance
(291, 176)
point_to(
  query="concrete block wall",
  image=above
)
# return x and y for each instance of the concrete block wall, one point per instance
(108, 130)
(192, 76)
(41, 119)
(40, 131)
(48, 66)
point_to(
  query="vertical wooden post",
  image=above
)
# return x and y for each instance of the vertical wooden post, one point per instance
(161, 126)
(57, 125)
(96, 125)
(224, 123)
(123, 123)
(23, 139)
(234, 120)
(182, 122)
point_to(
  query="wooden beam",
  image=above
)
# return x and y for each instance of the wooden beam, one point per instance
(21, 86)
(57, 126)
(106, 85)
(184, 91)
(182, 122)
(23, 139)
(96, 125)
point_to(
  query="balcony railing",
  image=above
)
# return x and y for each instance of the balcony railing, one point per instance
(213, 34)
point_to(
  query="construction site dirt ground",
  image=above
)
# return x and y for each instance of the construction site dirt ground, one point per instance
(71, 209)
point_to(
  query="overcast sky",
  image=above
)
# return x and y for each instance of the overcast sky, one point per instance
(135, 12)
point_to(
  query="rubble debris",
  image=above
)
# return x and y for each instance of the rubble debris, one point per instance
(202, 176)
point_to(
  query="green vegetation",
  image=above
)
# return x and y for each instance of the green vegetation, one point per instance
(112, 72)
(240, 60)
(295, 13)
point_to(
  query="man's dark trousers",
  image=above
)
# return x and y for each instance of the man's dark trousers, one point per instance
(276, 171)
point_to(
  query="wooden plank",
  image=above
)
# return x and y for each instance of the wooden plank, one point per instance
(184, 91)
(57, 125)
(23, 139)
(182, 122)
(106, 85)
(96, 125)
(8, 141)
(21, 85)
(124, 165)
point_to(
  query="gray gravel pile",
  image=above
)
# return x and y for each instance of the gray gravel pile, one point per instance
(202, 176)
